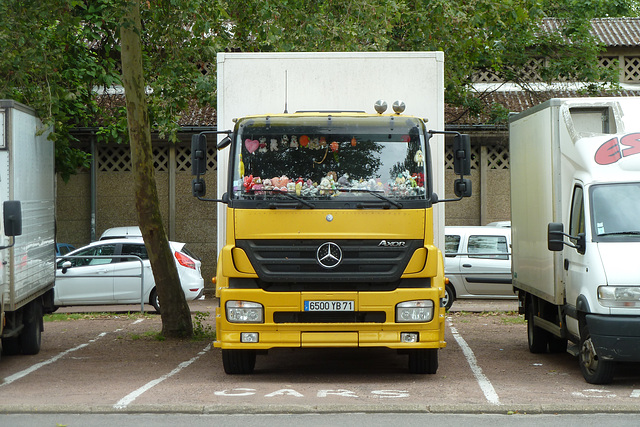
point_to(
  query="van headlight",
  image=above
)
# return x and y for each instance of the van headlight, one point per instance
(619, 296)
(244, 312)
(414, 311)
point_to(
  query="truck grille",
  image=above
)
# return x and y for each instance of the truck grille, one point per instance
(330, 317)
(297, 260)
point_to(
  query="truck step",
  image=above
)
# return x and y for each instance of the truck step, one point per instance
(573, 349)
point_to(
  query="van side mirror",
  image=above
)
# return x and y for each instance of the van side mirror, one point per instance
(198, 154)
(462, 154)
(555, 236)
(555, 239)
(12, 218)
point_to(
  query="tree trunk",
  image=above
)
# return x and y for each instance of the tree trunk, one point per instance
(175, 312)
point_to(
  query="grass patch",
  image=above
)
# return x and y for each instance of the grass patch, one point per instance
(202, 331)
(64, 317)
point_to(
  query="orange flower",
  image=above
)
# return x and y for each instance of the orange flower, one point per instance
(304, 140)
(334, 146)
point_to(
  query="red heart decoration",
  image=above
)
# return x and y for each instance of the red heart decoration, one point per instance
(251, 145)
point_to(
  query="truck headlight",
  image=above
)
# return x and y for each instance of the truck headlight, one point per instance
(619, 296)
(244, 312)
(414, 311)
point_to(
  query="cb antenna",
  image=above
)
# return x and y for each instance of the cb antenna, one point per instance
(285, 92)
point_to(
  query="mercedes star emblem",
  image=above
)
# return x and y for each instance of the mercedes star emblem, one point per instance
(329, 255)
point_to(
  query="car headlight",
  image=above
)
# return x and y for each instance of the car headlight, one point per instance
(619, 296)
(244, 312)
(414, 311)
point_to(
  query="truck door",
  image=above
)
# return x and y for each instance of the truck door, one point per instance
(575, 268)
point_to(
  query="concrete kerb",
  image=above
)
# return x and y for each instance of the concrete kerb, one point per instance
(532, 409)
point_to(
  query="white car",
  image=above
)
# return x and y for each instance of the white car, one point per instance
(104, 281)
(477, 263)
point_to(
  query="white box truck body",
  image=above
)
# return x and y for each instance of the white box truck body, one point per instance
(575, 198)
(328, 218)
(28, 258)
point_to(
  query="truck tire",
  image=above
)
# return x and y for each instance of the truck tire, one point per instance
(537, 337)
(449, 297)
(423, 361)
(594, 370)
(31, 335)
(240, 362)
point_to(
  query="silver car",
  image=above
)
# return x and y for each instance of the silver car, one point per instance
(477, 263)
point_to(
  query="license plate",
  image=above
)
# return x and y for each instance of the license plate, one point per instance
(329, 306)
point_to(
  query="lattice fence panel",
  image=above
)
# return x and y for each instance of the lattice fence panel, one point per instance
(632, 69)
(531, 70)
(497, 157)
(118, 159)
(485, 76)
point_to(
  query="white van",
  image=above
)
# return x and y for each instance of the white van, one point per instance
(477, 263)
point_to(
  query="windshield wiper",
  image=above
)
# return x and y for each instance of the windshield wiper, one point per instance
(291, 196)
(620, 233)
(372, 192)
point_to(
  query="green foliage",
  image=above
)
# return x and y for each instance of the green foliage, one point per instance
(58, 55)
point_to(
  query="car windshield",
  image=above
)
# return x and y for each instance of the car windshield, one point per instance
(330, 158)
(615, 210)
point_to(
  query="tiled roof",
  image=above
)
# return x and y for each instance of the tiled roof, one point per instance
(612, 32)
(515, 102)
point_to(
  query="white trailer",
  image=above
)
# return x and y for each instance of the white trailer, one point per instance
(270, 83)
(575, 168)
(27, 255)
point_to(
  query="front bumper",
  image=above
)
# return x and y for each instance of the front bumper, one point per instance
(615, 337)
(385, 333)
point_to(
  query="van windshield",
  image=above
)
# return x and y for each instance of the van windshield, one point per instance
(330, 158)
(615, 210)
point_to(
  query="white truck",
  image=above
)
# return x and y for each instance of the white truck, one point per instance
(575, 203)
(329, 213)
(27, 243)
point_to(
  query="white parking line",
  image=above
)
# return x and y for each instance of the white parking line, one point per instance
(125, 401)
(24, 373)
(483, 381)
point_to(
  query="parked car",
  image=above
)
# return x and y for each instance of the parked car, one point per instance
(477, 263)
(104, 281)
(129, 232)
(63, 248)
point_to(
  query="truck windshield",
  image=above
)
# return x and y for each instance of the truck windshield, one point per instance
(377, 159)
(615, 210)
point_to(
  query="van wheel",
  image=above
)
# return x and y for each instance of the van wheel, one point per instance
(537, 337)
(449, 297)
(238, 361)
(31, 335)
(423, 361)
(594, 370)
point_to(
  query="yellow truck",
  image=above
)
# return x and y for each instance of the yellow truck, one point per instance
(328, 234)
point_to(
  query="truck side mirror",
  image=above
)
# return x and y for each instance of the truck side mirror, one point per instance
(198, 154)
(555, 236)
(462, 187)
(198, 187)
(226, 141)
(12, 216)
(462, 154)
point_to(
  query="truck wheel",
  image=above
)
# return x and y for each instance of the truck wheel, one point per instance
(423, 361)
(238, 361)
(594, 370)
(154, 301)
(31, 335)
(449, 297)
(538, 338)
